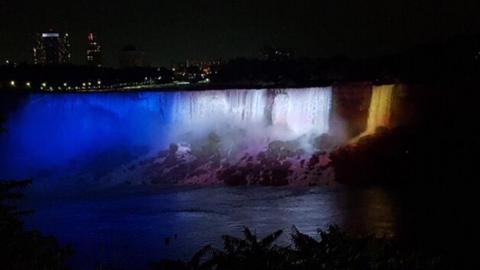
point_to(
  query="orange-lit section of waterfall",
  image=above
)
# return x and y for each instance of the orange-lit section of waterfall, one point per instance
(379, 111)
(380, 108)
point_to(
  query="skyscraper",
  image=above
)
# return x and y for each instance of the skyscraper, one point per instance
(130, 56)
(94, 51)
(51, 48)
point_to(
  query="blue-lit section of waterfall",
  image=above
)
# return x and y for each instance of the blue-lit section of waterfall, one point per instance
(49, 134)
(67, 131)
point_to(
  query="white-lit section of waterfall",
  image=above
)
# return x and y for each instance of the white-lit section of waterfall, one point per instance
(213, 107)
(295, 112)
(303, 111)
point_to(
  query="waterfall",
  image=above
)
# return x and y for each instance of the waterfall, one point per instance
(50, 131)
(303, 110)
(54, 131)
(214, 106)
(300, 110)
(380, 108)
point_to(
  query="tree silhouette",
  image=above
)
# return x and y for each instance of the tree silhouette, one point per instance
(335, 250)
(21, 248)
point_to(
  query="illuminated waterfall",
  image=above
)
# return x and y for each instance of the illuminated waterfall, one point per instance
(234, 106)
(303, 110)
(51, 131)
(380, 108)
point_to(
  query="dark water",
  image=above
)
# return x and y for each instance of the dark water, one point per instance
(127, 227)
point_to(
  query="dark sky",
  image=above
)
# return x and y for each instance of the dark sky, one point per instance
(172, 31)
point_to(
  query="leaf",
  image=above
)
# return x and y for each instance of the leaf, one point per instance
(249, 236)
(231, 243)
(269, 239)
(202, 253)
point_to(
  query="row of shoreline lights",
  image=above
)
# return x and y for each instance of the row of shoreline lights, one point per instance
(65, 85)
(43, 85)
(14, 84)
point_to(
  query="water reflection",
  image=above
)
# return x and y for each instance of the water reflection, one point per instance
(131, 227)
(368, 211)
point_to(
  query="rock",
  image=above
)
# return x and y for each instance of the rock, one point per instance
(324, 142)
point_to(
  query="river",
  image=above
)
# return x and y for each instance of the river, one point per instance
(127, 227)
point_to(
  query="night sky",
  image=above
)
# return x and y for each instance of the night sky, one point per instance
(171, 31)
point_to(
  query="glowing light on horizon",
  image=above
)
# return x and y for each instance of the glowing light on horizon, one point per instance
(50, 35)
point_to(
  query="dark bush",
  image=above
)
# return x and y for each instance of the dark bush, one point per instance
(334, 250)
(23, 249)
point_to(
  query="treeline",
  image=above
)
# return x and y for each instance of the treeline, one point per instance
(455, 59)
(451, 60)
(23, 248)
(334, 250)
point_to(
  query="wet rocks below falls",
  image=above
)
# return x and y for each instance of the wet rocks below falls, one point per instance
(210, 161)
(278, 163)
(282, 163)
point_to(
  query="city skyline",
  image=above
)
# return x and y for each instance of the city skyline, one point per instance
(173, 31)
(52, 48)
(94, 51)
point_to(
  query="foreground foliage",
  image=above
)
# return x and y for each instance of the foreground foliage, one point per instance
(334, 250)
(21, 248)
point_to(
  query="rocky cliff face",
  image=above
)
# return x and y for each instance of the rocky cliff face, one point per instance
(304, 161)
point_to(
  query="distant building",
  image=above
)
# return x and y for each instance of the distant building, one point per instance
(202, 63)
(51, 48)
(195, 70)
(130, 56)
(277, 54)
(94, 51)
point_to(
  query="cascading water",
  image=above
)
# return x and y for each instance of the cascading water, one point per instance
(303, 111)
(50, 131)
(380, 108)
(214, 106)
(49, 134)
